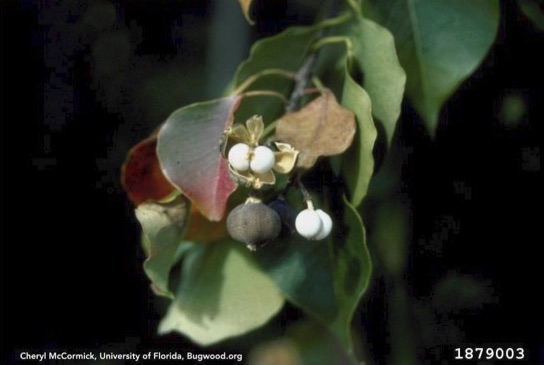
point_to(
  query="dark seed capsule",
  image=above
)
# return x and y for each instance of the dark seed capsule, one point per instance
(286, 213)
(253, 223)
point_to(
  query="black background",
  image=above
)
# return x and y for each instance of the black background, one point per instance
(71, 261)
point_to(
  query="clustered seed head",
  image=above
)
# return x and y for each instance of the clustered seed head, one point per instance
(252, 165)
(259, 159)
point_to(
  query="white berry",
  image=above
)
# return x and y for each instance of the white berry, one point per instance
(326, 225)
(263, 160)
(308, 223)
(239, 156)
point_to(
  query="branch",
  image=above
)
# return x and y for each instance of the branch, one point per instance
(305, 72)
(302, 78)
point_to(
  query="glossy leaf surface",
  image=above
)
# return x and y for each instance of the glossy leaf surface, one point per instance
(440, 43)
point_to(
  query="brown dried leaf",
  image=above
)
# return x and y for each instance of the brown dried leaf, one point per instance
(321, 128)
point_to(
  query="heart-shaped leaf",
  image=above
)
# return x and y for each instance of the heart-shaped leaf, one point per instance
(222, 294)
(321, 128)
(440, 43)
(189, 153)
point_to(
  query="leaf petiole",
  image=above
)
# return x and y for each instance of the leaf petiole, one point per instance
(269, 129)
(268, 72)
(319, 85)
(333, 40)
(354, 6)
(266, 93)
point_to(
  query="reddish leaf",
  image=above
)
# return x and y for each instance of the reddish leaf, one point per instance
(189, 153)
(141, 174)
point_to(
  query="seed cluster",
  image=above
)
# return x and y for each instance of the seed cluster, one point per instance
(313, 224)
(259, 159)
(251, 164)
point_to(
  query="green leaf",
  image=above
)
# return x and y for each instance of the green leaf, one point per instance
(534, 10)
(352, 269)
(358, 163)
(277, 52)
(325, 278)
(383, 77)
(306, 342)
(270, 53)
(222, 294)
(189, 153)
(440, 44)
(163, 225)
(316, 345)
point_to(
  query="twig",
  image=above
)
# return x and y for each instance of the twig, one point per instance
(302, 78)
(305, 194)
(305, 73)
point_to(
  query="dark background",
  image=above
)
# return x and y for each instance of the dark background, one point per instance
(83, 81)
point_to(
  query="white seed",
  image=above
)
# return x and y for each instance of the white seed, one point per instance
(263, 160)
(326, 225)
(308, 223)
(239, 156)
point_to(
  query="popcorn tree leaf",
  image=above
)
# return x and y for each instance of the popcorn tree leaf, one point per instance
(189, 153)
(163, 224)
(324, 278)
(141, 174)
(321, 128)
(439, 43)
(222, 294)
